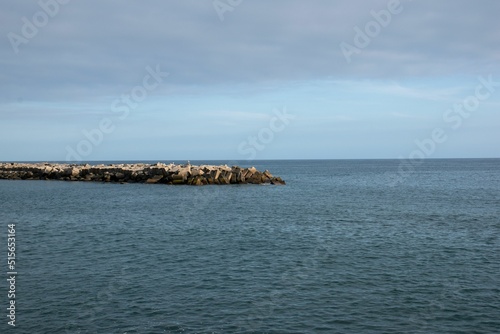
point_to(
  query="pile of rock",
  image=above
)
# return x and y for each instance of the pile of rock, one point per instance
(141, 173)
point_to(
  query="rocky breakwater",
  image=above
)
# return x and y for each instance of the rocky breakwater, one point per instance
(138, 173)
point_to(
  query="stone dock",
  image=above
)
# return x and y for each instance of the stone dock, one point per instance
(138, 173)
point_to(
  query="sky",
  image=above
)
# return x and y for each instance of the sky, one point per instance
(249, 79)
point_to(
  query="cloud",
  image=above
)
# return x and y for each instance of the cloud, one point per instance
(229, 75)
(101, 47)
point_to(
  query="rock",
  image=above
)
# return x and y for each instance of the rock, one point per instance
(227, 175)
(248, 173)
(268, 174)
(277, 181)
(198, 181)
(120, 176)
(197, 171)
(67, 172)
(139, 172)
(75, 172)
(215, 174)
(154, 179)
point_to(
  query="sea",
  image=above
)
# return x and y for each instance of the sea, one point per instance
(347, 246)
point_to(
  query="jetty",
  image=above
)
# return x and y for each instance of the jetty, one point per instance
(160, 173)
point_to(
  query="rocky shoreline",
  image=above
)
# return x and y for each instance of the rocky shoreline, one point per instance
(138, 173)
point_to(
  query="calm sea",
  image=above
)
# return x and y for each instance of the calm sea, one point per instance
(339, 249)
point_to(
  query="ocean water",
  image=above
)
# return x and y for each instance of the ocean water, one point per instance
(339, 249)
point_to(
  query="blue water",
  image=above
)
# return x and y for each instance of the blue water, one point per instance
(339, 249)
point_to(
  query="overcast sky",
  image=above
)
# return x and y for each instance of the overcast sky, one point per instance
(251, 79)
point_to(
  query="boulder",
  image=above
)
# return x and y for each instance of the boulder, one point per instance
(154, 179)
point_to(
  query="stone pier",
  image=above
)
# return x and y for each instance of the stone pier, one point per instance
(138, 173)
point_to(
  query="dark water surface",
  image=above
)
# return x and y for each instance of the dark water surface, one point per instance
(339, 249)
